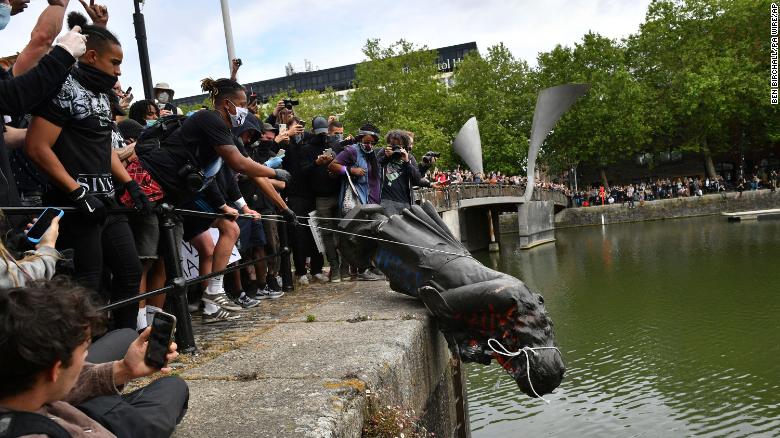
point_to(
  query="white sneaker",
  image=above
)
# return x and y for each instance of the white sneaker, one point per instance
(303, 280)
(320, 278)
(221, 300)
(219, 316)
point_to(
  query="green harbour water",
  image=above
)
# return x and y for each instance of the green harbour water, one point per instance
(668, 328)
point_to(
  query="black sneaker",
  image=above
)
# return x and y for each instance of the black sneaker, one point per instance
(246, 302)
(272, 284)
(267, 294)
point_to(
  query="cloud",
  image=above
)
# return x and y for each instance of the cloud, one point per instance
(186, 40)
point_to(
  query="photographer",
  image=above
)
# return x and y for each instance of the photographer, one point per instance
(46, 386)
(70, 139)
(399, 173)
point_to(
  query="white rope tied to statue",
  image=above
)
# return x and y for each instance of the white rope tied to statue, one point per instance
(504, 352)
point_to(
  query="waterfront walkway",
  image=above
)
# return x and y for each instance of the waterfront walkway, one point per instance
(310, 363)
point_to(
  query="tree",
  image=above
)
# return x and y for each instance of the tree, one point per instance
(706, 63)
(312, 103)
(499, 91)
(605, 126)
(397, 87)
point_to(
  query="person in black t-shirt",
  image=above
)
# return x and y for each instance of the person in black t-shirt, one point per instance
(200, 147)
(70, 140)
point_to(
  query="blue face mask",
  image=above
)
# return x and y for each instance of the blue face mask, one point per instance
(5, 15)
(150, 122)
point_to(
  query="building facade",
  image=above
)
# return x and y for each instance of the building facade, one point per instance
(340, 79)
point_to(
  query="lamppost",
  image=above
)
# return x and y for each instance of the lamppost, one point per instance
(228, 33)
(143, 50)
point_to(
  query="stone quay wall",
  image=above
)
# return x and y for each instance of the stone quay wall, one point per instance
(657, 210)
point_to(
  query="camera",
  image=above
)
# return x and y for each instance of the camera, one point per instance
(193, 177)
(289, 103)
(429, 156)
(396, 152)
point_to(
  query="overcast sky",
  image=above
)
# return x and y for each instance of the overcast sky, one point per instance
(187, 43)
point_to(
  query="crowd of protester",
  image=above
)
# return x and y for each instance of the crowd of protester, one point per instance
(74, 137)
(465, 176)
(668, 188)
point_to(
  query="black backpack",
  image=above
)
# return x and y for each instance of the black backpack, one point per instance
(155, 135)
(15, 424)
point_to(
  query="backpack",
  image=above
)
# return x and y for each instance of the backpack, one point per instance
(15, 424)
(155, 134)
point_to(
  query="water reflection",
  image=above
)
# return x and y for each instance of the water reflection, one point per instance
(668, 329)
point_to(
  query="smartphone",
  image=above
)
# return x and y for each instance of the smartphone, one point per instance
(252, 98)
(43, 223)
(281, 153)
(129, 89)
(163, 326)
(328, 152)
(302, 123)
(282, 128)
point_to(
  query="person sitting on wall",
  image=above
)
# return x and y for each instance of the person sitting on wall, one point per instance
(48, 388)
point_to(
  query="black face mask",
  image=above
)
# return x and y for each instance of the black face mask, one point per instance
(93, 79)
(265, 144)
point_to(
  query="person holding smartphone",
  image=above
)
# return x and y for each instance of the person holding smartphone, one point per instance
(44, 369)
(71, 140)
(36, 265)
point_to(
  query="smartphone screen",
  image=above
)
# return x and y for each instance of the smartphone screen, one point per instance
(40, 226)
(163, 325)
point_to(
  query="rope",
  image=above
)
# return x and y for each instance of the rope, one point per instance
(198, 279)
(524, 350)
(379, 239)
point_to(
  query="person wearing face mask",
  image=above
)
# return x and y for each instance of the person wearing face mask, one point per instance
(145, 112)
(163, 93)
(265, 150)
(185, 168)
(70, 139)
(361, 162)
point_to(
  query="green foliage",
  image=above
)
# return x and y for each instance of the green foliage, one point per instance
(706, 65)
(499, 90)
(312, 103)
(605, 126)
(194, 107)
(398, 88)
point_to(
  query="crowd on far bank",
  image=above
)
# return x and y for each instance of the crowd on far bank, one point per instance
(465, 176)
(668, 188)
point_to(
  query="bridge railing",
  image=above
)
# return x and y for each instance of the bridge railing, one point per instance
(450, 197)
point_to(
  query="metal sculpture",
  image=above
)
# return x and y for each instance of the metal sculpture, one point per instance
(468, 145)
(550, 106)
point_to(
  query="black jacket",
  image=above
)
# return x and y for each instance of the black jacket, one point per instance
(318, 177)
(20, 95)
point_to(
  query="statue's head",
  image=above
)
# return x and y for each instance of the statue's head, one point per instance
(516, 318)
(530, 326)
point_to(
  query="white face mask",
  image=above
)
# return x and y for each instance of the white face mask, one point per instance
(163, 97)
(5, 15)
(238, 119)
